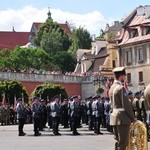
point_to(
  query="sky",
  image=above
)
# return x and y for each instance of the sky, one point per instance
(91, 15)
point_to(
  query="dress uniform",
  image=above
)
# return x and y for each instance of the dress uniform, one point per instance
(21, 116)
(36, 111)
(122, 114)
(147, 107)
(55, 113)
(97, 112)
(136, 105)
(89, 112)
(75, 114)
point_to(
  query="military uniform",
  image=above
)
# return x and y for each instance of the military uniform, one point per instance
(55, 113)
(147, 107)
(136, 106)
(21, 116)
(122, 113)
(89, 112)
(36, 111)
(97, 112)
(74, 114)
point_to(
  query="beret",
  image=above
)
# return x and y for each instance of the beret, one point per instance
(137, 93)
(129, 93)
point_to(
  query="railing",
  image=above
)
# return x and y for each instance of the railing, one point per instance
(60, 78)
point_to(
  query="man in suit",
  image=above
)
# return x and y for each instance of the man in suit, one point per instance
(122, 114)
(147, 108)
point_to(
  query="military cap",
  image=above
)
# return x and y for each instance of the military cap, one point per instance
(56, 96)
(137, 93)
(74, 96)
(35, 98)
(19, 99)
(119, 71)
(41, 100)
(96, 96)
(129, 92)
(88, 98)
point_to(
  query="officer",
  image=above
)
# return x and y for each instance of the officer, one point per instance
(142, 107)
(74, 114)
(107, 108)
(130, 97)
(97, 111)
(56, 114)
(36, 111)
(21, 116)
(122, 114)
(89, 112)
(136, 105)
(65, 116)
(147, 109)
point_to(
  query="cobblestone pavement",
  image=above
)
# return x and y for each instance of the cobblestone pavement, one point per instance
(9, 139)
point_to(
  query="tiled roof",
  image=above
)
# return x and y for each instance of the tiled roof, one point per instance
(11, 39)
(134, 21)
(99, 60)
(63, 26)
(135, 39)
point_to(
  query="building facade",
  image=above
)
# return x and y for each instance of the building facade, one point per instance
(134, 47)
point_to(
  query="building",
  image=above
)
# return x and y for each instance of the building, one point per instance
(13, 38)
(134, 47)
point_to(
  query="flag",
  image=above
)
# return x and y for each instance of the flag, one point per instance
(4, 99)
(22, 98)
(15, 102)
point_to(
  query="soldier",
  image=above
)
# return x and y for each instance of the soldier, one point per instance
(122, 114)
(97, 112)
(56, 113)
(142, 107)
(130, 97)
(65, 116)
(36, 111)
(74, 113)
(107, 108)
(136, 105)
(21, 116)
(89, 112)
(147, 108)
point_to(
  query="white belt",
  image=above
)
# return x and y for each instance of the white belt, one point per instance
(118, 109)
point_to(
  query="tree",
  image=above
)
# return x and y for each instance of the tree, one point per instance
(65, 61)
(5, 59)
(47, 90)
(26, 58)
(13, 89)
(51, 37)
(80, 39)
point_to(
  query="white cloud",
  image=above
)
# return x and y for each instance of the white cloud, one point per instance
(22, 19)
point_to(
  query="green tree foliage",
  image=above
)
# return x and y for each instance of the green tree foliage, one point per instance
(65, 61)
(26, 58)
(4, 59)
(13, 89)
(80, 39)
(47, 90)
(51, 37)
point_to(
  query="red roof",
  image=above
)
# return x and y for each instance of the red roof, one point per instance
(11, 39)
(64, 26)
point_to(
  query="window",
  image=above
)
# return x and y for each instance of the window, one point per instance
(146, 30)
(140, 55)
(129, 78)
(140, 76)
(133, 33)
(128, 57)
(113, 64)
